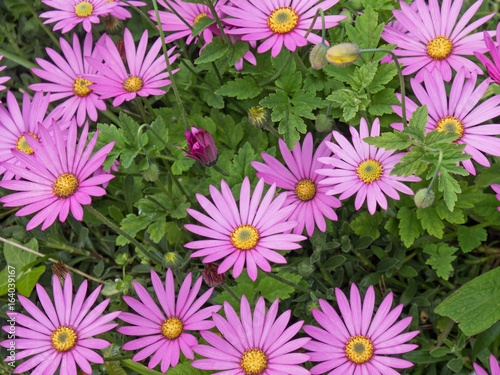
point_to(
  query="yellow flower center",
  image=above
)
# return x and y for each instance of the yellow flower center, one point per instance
(84, 9)
(257, 116)
(245, 237)
(359, 349)
(133, 84)
(439, 48)
(199, 17)
(370, 170)
(450, 124)
(65, 186)
(305, 190)
(23, 146)
(80, 87)
(283, 20)
(63, 338)
(254, 362)
(172, 328)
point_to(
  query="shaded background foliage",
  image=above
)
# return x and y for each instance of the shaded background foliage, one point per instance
(422, 255)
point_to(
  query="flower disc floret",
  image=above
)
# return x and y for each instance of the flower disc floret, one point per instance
(199, 17)
(283, 20)
(84, 9)
(64, 338)
(65, 186)
(450, 124)
(133, 84)
(305, 190)
(172, 328)
(439, 48)
(23, 146)
(254, 362)
(359, 349)
(80, 87)
(369, 170)
(245, 237)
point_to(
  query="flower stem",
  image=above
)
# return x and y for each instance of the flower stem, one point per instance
(217, 19)
(294, 285)
(438, 167)
(218, 169)
(230, 291)
(272, 130)
(44, 27)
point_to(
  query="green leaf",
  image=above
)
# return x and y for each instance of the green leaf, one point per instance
(237, 51)
(418, 120)
(385, 74)
(409, 226)
(241, 163)
(367, 30)
(431, 221)
(441, 257)
(363, 76)
(382, 101)
(141, 369)
(271, 288)
(213, 51)
(390, 141)
(411, 163)
(157, 230)
(114, 368)
(18, 258)
(470, 238)
(27, 281)
(367, 225)
(132, 224)
(200, 25)
(244, 286)
(476, 305)
(241, 88)
(450, 187)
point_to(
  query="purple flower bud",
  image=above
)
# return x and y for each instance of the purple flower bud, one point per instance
(201, 146)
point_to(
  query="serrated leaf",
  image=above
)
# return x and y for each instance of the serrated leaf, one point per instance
(390, 141)
(471, 238)
(431, 221)
(409, 225)
(450, 187)
(241, 88)
(441, 257)
(241, 163)
(367, 225)
(200, 25)
(363, 76)
(385, 74)
(212, 51)
(133, 224)
(476, 305)
(382, 102)
(411, 163)
(367, 31)
(418, 120)
(237, 51)
(271, 288)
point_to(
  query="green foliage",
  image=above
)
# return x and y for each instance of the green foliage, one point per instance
(441, 257)
(470, 238)
(367, 225)
(241, 88)
(409, 226)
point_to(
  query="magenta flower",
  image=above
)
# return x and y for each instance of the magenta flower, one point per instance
(495, 368)
(262, 345)
(363, 169)
(493, 68)
(14, 123)
(496, 189)
(358, 344)
(66, 79)
(245, 235)
(201, 146)
(100, 171)
(56, 177)
(4, 78)
(119, 10)
(165, 332)
(435, 40)
(70, 13)
(62, 335)
(145, 74)
(309, 199)
(459, 113)
(277, 23)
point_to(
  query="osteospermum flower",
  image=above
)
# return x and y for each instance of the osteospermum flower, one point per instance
(165, 331)
(493, 68)
(145, 75)
(496, 189)
(363, 169)
(56, 178)
(359, 343)
(66, 79)
(495, 368)
(247, 235)
(278, 22)
(435, 38)
(15, 123)
(70, 13)
(258, 346)
(308, 198)
(4, 78)
(119, 10)
(62, 335)
(459, 113)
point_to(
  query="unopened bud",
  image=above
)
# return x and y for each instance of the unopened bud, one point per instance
(324, 123)
(258, 117)
(348, 20)
(172, 260)
(112, 24)
(318, 56)
(424, 198)
(343, 54)
(151, 173)
(60, 270)
(211, 277)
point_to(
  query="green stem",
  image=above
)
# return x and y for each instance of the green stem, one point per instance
(218, 169)
(296, 286)
(272, 130)
(217, 19)
(177, 183)
(144, 15)
(230, 291)
(299, 62)
(438, 167)
(150, 108)
(44, 27)
(169, 68)
(278, 73)
(18, 60)
(400, 74)
(118, 358)
(110, 115)
(323, 28)
(364, 260)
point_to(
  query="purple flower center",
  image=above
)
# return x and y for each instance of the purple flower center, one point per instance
(84, 9)
(450, 124)
(63, 338)
(172, 328)
(305, 190)
(254, 362)
(80, 87)
(439, 48)
(245, 237)
(370, 170)
(133, 84)
(23, 146)
(283, 20)
(65, 186)
(359, 349)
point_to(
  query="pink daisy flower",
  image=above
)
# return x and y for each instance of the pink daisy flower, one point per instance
(435, 40)
(493, 68)
(100, 171)
(70, 13)
(245, 235)
(358, 343)
(278, 22)
(61, 335)
(363, 169)
(259, 346)
(66, 79)
(459, 113)
(496, 189)
(56, 177)
(165, 332)
(14, 124)
(4, 78)
(145, 75)
(308, 198)
(495, 368)
(119, 10)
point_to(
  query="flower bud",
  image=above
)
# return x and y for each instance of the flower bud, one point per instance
(324, 123)
(211, 277)
(201, 146)
(151, 173)
(172, 260)
(318, 56)
(258, 117)
(343, 54)
(60, 270)
(112, 24)
(424, 198)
